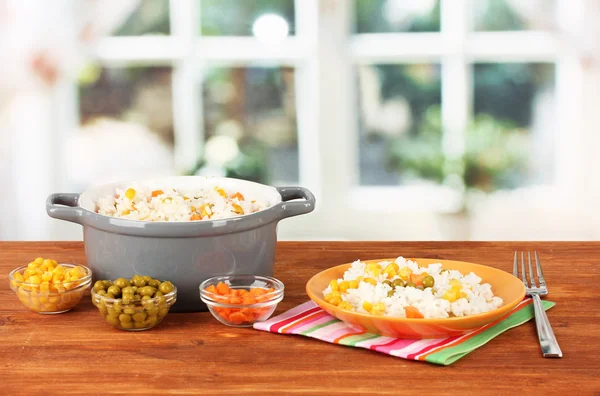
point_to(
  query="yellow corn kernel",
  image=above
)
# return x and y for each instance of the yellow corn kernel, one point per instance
(46, 263)
(327, 297)
(336, 300)
(54, 299)
(59, 270)
(378, 309)
(463, 294)
(367, 306)
(373, 269)
(33, 265)
(18, 277)
(344, 285)
(359, 279)
(346, 305)
(451, 296)
(237, 208)
(404, 273)
(130, 193)
(43, 299)
(334, 285)
(47, 276)
(126, 212)
(205, 210)
(370, 280)
(39, 260)
(353, 284)
(221, 192)
(45, 287)
(36, 279)
(454, 282)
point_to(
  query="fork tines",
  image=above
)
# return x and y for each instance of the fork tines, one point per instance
(532, 281)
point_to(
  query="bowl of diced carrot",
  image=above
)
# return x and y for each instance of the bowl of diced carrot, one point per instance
(241, 300)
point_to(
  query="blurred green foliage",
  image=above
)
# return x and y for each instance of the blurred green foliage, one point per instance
(235, 17)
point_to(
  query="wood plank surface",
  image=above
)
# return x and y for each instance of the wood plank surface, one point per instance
(191, 353)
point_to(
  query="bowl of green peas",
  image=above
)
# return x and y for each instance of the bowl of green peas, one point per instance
(135, 304)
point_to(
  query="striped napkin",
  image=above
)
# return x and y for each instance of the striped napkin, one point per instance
(311, 321)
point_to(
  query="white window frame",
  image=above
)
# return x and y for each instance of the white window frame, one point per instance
(324, 53)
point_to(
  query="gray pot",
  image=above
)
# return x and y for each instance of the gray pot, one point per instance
(186, 253)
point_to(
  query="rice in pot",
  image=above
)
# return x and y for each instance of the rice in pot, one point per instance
(169, 204)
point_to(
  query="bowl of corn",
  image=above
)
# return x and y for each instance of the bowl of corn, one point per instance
(47, 287)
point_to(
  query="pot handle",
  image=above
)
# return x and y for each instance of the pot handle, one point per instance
(296, 208)
(64, 206)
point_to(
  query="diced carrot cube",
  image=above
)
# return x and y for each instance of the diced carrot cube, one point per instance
(222, 288)
(238, 195)
(211, 289)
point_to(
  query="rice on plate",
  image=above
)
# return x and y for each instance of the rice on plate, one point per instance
(170, 204)
(403, 289)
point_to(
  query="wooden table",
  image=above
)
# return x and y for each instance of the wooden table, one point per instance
(77, 352)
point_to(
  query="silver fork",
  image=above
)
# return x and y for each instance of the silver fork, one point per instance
(548, 341)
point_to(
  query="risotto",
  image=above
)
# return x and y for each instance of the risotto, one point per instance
(404, 289)
(169, 204)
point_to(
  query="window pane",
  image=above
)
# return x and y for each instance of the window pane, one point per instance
(400, 134)
(514, 111)
(237, 18)
(151, 17)
(250, 124)
(503, 15)
(384, 16)
(127, 125)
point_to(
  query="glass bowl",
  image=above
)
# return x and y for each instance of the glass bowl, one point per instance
(50, 298)
(135, 315)
(241, 300)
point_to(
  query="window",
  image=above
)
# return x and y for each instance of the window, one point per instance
(382, 107)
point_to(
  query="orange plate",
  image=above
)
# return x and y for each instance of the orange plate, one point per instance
(504, 285)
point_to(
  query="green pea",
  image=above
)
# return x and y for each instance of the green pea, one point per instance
(158, 294)
(121, 282)
(162, 312)
(166, 287)
(138, 281)
(428, 281)
(139, 316)
(388, 282)
(398, 282)
(147, 291)
(126, 325)
(99, 285)
(101, 292)
(410, 284)
(129, 311)
(124, 318)
(391, 293)
(139, 325)
(114, 290)
(113, 312)
(109, 296)
(127, 298)
(103, 310)
(147, 278)
(151, 309)
(107, 284)
(134, 288)
(113, 320)
(137, 297)
(127, 289)
(155, 283)
(146, 298)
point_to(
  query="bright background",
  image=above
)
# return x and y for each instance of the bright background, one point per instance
(409, 119)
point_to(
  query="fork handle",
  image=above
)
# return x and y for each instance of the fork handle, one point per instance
(548, 341)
